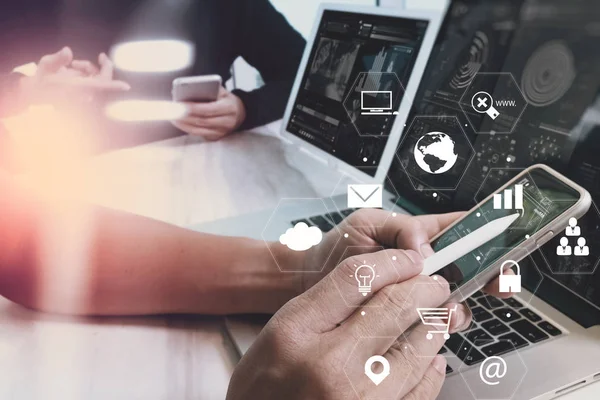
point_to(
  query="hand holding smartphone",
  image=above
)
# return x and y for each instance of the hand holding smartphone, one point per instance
(545, 201)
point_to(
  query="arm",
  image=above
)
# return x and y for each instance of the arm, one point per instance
(270, 44)
(67, 257)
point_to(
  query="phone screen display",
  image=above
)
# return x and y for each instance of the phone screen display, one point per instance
(537, 196)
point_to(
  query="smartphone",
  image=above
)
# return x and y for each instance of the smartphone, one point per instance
(197, 89)
(544, 198)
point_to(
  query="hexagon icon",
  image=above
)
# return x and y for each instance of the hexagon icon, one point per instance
(360, 361)
(282, 228)
(531, 276)
(373, 101)
(568, 263)
(389, 195)
(493, 103)
(494, 377)
(435, 153)
(529, 222)
(432, 322)
(365, 274)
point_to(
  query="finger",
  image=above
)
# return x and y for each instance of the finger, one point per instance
(225, 122)
(51, 63)
(427, 227)
(206, 133)
(213, 109)
(106, 67)
(407, 371)
(222, 93)
(493, 287)
(378, 225)
(434, 224)
(427, 340)
(395, 309)
(323, 306)
(432, 381)
(402, 231)
(67, 72)
(462, 318)
(415, 354)
(431, 225)
(85, 67)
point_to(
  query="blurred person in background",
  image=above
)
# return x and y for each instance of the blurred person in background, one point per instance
(221, 31)
(57, 78)
(55, 73)
(254, 30)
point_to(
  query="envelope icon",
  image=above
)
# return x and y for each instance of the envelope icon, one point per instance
(365, 196)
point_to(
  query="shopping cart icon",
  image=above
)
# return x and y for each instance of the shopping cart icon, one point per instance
(437, 317)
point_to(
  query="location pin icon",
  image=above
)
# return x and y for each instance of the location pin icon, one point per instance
(377, 378)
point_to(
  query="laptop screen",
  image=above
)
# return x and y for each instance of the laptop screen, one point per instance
(543, 51)
(353, 84)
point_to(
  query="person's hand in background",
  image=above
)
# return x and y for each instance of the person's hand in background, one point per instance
(213, 120)
(59, 76)
(372, 230)
(309, 349)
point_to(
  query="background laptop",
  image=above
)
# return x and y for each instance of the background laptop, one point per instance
(548, 47)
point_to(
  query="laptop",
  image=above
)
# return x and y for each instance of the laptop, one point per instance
(553, 327)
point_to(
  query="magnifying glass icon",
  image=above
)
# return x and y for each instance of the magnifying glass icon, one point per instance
(483, 103)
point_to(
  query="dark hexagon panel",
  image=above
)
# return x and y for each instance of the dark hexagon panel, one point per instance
(435, 153)
(580, 266)
(285, 208)
(373, 102)
(493, 103)
(529, 271)
(406, 317)
(363, 386)
(364, 285)
(494, 377)
(343, 186)
(529, 221)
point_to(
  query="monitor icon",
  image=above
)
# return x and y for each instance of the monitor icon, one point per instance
(377, 102)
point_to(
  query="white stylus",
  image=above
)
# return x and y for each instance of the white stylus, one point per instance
(467, 244)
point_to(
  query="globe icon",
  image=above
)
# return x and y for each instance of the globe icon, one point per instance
(435, 153)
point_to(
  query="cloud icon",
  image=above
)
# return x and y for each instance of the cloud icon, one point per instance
(301, 237)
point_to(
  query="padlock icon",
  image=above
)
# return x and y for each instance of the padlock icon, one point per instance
(510, 283)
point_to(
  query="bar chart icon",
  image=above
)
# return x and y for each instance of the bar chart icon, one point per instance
(509, 200)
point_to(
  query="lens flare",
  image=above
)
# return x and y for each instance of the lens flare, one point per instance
(153, 55)
(145, 110)
(47, 142)
(52, 146)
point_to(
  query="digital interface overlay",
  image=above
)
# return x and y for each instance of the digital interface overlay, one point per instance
(544, 45)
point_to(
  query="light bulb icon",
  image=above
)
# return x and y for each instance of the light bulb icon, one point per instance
(365, 275)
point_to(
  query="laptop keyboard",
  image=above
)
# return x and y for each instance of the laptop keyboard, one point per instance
(499, 326)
